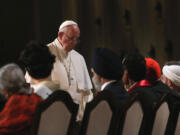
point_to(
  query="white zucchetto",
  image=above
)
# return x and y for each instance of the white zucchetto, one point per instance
(67, 23)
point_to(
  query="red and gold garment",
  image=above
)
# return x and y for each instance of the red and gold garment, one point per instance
(16, 117)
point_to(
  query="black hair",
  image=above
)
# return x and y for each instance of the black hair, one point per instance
(136, 65)
(37, 60)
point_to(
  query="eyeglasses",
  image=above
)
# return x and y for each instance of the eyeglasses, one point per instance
(72, 38)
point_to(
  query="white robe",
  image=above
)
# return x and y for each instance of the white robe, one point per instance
(80, 87)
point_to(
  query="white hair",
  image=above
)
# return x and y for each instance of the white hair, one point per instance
(12, 79)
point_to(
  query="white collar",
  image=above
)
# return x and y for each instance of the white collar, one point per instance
(60, 49)
(42, 90)
(106, 83)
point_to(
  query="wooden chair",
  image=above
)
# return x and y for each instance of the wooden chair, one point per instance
(100, 115)
(56, 115)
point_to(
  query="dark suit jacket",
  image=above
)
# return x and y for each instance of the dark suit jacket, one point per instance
(118, 91)
(157, 89)
(154, 92)
(149, 95)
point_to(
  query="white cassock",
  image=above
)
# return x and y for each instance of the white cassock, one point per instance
(71, 73)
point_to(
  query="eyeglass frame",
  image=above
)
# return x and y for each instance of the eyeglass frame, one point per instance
(72, 38)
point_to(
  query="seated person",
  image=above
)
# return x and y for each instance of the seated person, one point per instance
(134, 71)
(16, 116)
(171, 75)
(135, 79)
(151, 83)
(153, 70)
(153, 75)
(38, 63)
(107, 73)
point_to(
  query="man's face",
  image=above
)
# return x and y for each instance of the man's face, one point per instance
(96, 82)
(70, 37)
(164, 79)
(125, 80)
(125, 77)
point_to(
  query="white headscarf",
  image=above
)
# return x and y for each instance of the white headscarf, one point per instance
(172, 72)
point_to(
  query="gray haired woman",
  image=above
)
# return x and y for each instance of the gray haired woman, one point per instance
(12, 81)
(16, 116)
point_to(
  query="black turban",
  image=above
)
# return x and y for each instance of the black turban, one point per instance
(107, 64)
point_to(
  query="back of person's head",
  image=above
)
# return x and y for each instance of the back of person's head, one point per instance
(37, 60)
(107, 64)
(12, 79)
(153, 70)
(135, 64)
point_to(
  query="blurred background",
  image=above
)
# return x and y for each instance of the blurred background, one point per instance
(150, 26)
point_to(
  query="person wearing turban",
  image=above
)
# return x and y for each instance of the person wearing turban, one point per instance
(107, 73)
(171, 75)
(153, 76)
(151, 84)
(153, 70)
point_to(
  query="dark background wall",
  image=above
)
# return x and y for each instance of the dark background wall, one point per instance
(152, 26)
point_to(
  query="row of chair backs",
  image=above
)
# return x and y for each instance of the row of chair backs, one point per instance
(155, 117)
(56, 115)
(104, 116)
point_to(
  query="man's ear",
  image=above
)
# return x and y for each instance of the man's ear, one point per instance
(60, 35)
(101, 79)
(125, 76)
(169, 82)
(6, 93)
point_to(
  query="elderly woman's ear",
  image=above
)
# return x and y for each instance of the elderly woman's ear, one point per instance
(5, 93)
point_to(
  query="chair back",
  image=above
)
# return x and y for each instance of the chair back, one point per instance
(133, 119)
(130, 116)
(56, 115)
(177, 117)
(161, 116)
(177, 131)
(99, 120)
(99, 115)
